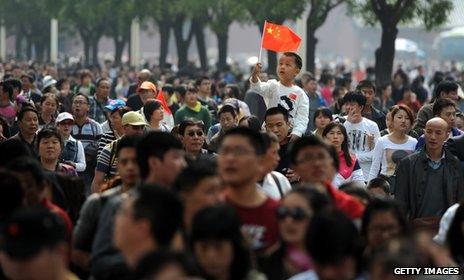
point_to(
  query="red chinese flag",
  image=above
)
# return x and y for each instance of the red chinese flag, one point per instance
(280, 38)
(161, 98)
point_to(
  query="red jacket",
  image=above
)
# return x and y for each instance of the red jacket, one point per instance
(345, 202)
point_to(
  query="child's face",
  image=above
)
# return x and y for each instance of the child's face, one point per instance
(287, 69)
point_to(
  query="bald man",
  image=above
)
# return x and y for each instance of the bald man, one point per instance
(430, 180)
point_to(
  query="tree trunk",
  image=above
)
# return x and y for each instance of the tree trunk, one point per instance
(86, 42)
(223, 39)
(95, 51)
(164, 27)
(28, 47)
(272, 62)
(385, 55)
(181, 44)
(39, 51)
(18, 45)
(119, 46)
(311, 42)
(201, 45)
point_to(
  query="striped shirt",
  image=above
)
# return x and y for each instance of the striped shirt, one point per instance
(106, 139)
(89, 133)
(107, 161)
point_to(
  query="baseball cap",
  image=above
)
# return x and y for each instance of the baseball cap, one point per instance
(29, 230)
(133, 118)
(64, 116)
(115, 104)
(48, 81)
(147, 85)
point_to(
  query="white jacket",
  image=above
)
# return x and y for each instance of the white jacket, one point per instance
(294, 99)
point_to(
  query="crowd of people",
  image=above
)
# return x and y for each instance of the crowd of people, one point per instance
(111, 174)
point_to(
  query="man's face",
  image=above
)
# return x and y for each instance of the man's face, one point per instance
(80, 106)
(130, 130)
(26, 83)
(311, 86)
(103, 89)
(193, 139)
(29, 124)
(369, 93)
(227, 121)
(435, 135)
(50, 148)
(271, 158)
(128, 168)
(191, 98)
(449, 115)
(205, 86)
(277, 125)
(453, 95)
(43, 265)
(237, 161)
(287, 69)
(146, 94)
(206, 193)
(353, 109)
(314, 165)
(172, 164)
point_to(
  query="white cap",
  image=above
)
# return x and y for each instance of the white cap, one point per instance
(48, 81)
(64, 116)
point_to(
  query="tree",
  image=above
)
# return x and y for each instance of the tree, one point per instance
(275, 11)
(319, 9)
(390, 13)
(90, 19)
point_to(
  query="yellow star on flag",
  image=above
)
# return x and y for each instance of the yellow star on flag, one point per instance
(270, 30)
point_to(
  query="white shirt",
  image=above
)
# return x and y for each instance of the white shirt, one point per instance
(445, 224)
(293, 98)
(388, 154)
(358, 144)
(269, 185)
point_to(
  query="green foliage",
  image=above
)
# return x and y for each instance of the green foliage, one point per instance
(430, 14)
(276, 11)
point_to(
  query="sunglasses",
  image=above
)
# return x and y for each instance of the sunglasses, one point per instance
(197, 133)
(297, 213)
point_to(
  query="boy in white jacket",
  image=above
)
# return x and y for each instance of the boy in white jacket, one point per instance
(284, 92)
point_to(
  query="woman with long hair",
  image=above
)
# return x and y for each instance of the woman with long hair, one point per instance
(349, 169)
(396, 145)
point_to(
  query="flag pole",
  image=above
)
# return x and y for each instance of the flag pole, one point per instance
(262, 39)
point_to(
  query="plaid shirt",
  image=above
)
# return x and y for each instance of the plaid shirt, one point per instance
(97, 111)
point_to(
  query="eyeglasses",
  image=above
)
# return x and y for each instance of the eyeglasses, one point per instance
(297, 213)
(78, 102)
(198, 133)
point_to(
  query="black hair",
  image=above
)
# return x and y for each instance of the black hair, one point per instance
(155, 144)
(182, 90)
(51, 95)
(14, 83)
(227, 109)
(296, 57)
(234, 91)
(222, 223)
(444, 86)
(253, 137)
(365, 84)
(168, 89)
(8, 89)
(440, 104)
(24, 110)
(49, 132)
(97, 84)
(127, 142)
(163, 210)
(336, 92)
(345, 149)
(60, 83)
(355, 97)
(189, 178)
(379, 182)
(253, 122)
(377, 205)
(355, 189)
(268, 139)
(12, 194)
(201, 79)
(325, 78)
(403, 76)
(331, 238)
(313, 141)
(12, 149)
(455, 235)
(277, 111)
(190, 122)
(324, 111)
(149, 107)
(154, 263)
(317, 200)
(81, 94)
(28, 165)
(395, 110)
(28, 77)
